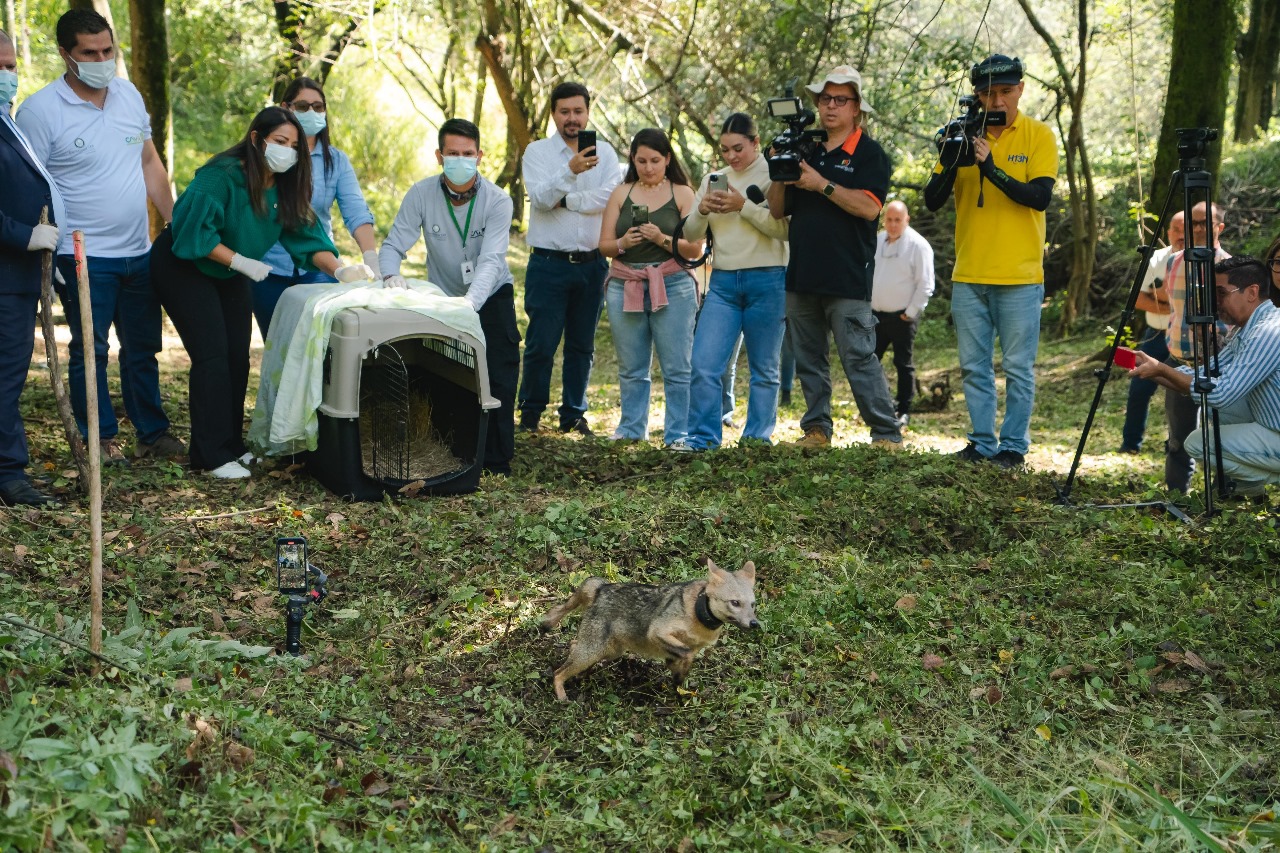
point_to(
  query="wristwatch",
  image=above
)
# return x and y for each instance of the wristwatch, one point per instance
(829, 190)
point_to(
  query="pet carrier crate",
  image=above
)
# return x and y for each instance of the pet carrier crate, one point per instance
(406, 401)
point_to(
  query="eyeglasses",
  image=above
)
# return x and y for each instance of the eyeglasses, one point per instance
(306, 106)
(838, 100)
(1223, 294)
(1274, 264)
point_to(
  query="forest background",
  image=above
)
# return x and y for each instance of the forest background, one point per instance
(1100, 73)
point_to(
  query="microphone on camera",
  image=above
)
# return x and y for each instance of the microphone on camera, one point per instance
(753, 193)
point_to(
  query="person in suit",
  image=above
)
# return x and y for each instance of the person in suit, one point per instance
(28, 190)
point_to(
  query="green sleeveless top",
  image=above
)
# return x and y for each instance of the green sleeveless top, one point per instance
(665, 217)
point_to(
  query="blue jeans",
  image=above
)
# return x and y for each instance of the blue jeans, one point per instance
(1156, 345)
(267, 293)
(120, 292)
(752, 304)
(636, 334)
(1011, 311)
(560, 298)
(812, 320)
(729, 377)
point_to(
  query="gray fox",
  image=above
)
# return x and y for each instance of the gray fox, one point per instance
(670, 623)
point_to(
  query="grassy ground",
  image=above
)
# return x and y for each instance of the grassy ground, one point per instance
(950, 659)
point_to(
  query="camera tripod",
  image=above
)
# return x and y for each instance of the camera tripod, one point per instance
(1200, 310)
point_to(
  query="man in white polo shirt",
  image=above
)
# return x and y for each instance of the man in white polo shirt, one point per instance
(92, 131)
(900, 288)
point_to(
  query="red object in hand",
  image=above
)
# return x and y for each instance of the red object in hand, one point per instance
(1126, 358)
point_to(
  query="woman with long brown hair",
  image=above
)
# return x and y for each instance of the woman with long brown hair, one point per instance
(652, 300)
(237, 206)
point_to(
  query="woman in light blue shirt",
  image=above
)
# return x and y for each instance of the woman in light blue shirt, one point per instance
(332, 179)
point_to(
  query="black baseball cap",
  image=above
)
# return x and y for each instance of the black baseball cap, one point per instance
(996, 70)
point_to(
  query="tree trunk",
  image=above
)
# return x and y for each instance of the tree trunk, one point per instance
(1204, 34)
(103, 8)
(149, 61)
(289, 18)
(1258, 49)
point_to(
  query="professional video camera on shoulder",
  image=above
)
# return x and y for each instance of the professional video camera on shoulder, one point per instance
(795, 143)
(955, 139)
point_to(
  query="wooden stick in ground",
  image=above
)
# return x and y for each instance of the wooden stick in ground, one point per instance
(55, 368)
(95, 450)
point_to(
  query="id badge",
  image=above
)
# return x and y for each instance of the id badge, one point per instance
(468, 272)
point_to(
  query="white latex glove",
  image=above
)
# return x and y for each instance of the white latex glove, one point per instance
(254, 270)
(57, 277)
(43, 238)
(370, 259)
(395, 282)
(353, 272)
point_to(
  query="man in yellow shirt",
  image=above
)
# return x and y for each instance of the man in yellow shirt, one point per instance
(998, 280)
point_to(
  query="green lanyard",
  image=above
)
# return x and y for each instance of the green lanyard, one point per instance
(463, 231)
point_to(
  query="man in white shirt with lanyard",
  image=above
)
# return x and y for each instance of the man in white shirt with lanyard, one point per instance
(901, 286)
(466, 223)
(564, 285)
(93, 134)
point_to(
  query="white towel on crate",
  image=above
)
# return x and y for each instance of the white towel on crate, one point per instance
(291, 387)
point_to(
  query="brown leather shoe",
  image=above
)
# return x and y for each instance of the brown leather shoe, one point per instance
(814, 439)
(164, 447)
(111, 453)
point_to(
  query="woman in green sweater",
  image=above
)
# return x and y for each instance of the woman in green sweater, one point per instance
(237, 206)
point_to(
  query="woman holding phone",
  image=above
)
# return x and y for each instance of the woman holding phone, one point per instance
(652, 300)
(747, 292)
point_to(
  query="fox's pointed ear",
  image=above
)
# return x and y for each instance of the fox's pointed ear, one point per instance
(747, 572)
(715, 573)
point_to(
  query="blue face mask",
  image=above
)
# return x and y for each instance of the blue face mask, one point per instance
(8, 86)
(96, 75)
(312, 122)
(280, 158)
(460, 170)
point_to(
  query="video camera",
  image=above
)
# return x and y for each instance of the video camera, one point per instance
(955, 138)
(795, 143)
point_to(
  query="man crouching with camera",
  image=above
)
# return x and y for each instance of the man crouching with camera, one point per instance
(1002, 165)
(834, 206)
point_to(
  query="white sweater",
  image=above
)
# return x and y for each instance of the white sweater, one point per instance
(749, 238)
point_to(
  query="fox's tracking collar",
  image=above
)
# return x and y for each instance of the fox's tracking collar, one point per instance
(702, 609)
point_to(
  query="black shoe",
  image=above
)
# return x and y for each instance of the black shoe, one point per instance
(784, 397)
(579, 426)
(22, 493)
(970, 453)
(1009, 459)
(527, 426)
(1129, 451)
(903, 420)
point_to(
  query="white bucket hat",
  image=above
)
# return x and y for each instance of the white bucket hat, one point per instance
(841, 75)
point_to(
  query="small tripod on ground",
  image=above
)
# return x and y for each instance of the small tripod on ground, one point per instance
(1200, 311)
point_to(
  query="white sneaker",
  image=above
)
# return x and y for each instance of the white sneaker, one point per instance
(246, 458)
(232, 470)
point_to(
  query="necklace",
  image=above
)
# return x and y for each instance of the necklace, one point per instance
(651, 186)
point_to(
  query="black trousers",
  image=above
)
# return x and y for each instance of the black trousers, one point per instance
(214, 318)
(502, 355)
(893, 331)
(17, 342)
